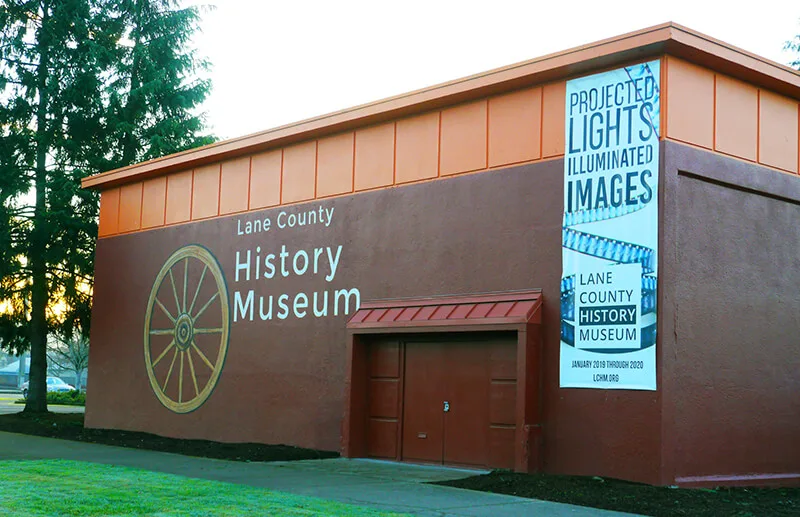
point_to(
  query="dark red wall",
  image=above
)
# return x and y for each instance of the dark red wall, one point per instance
(730, 294)
(729, 320)
(283, 381)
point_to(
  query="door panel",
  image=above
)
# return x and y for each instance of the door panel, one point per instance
(384, 399)
(382, 439)
(424, 395)
(466, 424)
(502, 403)
(501, 447)
(477, 379)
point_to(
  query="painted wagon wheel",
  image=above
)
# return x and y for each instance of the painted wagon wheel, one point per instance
(175, 342)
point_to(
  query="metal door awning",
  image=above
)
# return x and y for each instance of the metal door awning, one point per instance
(490, 309)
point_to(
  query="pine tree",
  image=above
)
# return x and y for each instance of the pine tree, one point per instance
(794, 46)
(85, 86)
(51, 66)
(154, 90)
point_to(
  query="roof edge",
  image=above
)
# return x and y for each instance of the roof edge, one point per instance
(664, 38)
(722, 57)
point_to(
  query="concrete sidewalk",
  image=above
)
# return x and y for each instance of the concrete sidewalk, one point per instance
(376, 484)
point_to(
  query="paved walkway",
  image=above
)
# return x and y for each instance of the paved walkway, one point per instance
(383, 485)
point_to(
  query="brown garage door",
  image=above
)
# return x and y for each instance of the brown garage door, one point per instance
(448, 401)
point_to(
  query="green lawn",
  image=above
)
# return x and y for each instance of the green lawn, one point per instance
(71, 488)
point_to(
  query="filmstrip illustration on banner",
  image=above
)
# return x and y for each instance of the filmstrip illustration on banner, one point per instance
(610, 230)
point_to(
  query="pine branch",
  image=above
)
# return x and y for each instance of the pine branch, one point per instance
(20, 63)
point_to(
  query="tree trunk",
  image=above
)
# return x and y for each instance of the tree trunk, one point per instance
(78, 374)
(37, 386)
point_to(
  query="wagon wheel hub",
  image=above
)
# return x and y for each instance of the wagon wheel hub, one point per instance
(184, 331)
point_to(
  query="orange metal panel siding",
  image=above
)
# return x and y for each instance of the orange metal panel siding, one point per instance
(335, 165)
(690, 113)
(234, 186)
(699, 107)
(179, 197)
(154, 198)
(299, 172)
(417, 148)
(736, 122)
(109, 213)
(205, 192)
(553, 98)
(515, 122)
(611, 53)
(130, 207)
(374, 162)
(778, 131)
(463, 140)
(265, 179)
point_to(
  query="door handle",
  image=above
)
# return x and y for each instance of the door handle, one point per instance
(446, 407)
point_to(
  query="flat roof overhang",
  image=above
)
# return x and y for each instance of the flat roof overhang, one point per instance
(668, 38)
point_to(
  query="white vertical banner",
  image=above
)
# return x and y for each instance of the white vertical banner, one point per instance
(610, 230)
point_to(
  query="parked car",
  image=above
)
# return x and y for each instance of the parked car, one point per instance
(53, 384)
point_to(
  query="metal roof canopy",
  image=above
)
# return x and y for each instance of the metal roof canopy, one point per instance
(489, 311)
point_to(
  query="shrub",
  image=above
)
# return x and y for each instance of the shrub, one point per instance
(64, 398)
(67, 398)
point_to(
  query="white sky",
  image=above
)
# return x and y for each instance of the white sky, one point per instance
(277, 62)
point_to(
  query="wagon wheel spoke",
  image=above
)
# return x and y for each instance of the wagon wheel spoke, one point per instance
(162, 332)
(207, 331)
(191, 369)
(169, 373)
(199, 284)
(170, 316)
(202, 355)
(185, 280)
(161, 356)
(174, 291)
(180, 381)
(203, 309)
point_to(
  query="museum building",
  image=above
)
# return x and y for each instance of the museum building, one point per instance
(587, 263)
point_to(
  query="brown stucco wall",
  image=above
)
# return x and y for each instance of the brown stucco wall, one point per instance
(730, 314)
(283, 381)
(726, 410)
